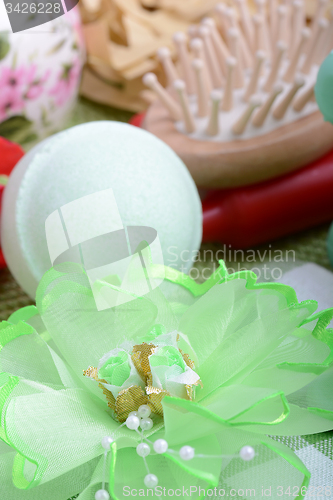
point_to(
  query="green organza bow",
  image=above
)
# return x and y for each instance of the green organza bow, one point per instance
(264, 360)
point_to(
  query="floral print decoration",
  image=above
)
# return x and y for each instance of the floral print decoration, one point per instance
(39, 78)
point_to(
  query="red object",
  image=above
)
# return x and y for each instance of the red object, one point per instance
(2, 260)
(250, 215)
(10, 154)
(137, 120)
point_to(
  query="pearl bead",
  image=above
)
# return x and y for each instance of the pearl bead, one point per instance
(106, 442)
(151, 481)
(144, 411)
(132, 422)
(146, 424)
(186, 452)
(133, 414)
(247, 453)
(160, 446)
(102, 495)
(143, 449)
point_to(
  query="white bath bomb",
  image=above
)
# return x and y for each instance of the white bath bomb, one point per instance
(151, 186)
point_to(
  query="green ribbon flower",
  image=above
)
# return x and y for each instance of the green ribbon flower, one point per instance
(118, 372)
(116, 369)
(265, 362)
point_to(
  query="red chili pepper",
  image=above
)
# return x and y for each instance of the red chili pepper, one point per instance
(251, 215)
(10, 154)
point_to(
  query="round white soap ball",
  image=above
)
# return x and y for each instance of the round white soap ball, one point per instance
(151, 185)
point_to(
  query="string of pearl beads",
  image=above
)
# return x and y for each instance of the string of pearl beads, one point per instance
(141, 418)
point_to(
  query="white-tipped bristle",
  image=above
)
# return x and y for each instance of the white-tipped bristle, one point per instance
(180, 40)
(211, 57)
(216, 95)
(149, 79)
(233, 33)
(220, 7)
(179, 37)
(257, 19)
(230, 15)
(240, 125)
(286, 100)
(320, 13)
(261, 4)
(202, 87)
(219, 47)
(162, 53)
(203, 30)
(213, 124)
(281, 45)
(196, 44)
(197, 64)
(179, 85)
(169, 68)
(282, 9)
(306, 32)
(197, 48)
(275, 66)
(192, 30)
(299, 79)
(259, 41)
(246, 22)
(273, 19)
(283, 28)
(277, 88)
(254, 80)
(234, 46)
(255, 100)
(315, 45)
(323, 23)
(235, 51)
(260, 116)
(260, 55)
(208, 21)
(231, 61)
(228, 100)
(302, 100)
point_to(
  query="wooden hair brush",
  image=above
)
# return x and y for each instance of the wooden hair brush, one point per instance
(239, 104)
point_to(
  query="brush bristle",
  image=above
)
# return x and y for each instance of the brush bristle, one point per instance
(266, 56)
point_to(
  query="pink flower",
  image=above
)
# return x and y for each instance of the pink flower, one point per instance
(11, 102)
(68, 80)
(35, 85)
(13, 78)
